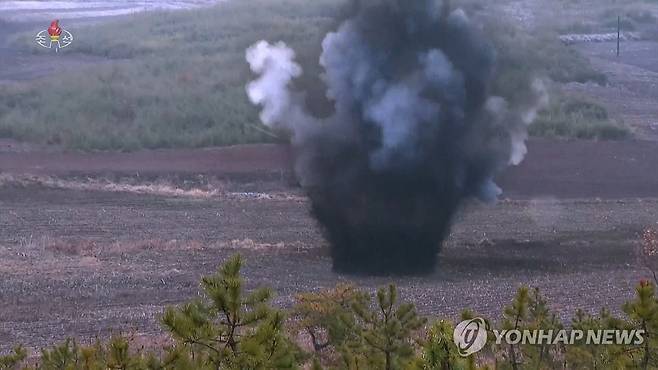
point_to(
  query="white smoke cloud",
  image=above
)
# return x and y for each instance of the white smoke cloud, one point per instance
(276, 67)
(520, 135)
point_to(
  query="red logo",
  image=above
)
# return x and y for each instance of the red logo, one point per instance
(54, 37)
(54, 30)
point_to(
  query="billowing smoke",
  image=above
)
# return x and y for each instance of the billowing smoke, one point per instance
(414, 131)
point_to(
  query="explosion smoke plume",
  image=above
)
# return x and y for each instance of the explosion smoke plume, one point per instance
(413, 134)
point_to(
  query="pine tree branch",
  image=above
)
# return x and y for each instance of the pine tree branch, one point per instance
(193, 341)
(316, 346)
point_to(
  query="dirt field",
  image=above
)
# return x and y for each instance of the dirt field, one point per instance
(88, 246)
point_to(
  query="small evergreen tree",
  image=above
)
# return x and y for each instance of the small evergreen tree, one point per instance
(12, 360)
(540, 317)
(64, 357)
(327, 316)
(643, 315)
(230, 328)
(115, 355)
(583, 355)
(514, 316)
(385, 333)
(439, 352)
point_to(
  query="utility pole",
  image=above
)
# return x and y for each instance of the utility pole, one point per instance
(618, 33)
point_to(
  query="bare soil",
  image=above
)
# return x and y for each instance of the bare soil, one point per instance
(555, 168)
(87, 263)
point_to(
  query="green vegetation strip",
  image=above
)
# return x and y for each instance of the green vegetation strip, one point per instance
(178, 79)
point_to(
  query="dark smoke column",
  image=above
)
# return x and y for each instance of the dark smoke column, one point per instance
(414, 133)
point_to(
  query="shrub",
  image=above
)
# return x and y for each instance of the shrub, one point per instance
(13, 359)
(573, 117)
(230, 329)
(438, 350)
(115, 354)
(382, 336)
(326, 316)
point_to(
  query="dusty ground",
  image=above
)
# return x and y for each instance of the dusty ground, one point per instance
(87, 248)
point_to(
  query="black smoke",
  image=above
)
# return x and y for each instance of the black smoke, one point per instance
(414, 131)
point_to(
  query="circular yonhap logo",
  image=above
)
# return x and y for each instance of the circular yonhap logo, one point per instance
(470, 336)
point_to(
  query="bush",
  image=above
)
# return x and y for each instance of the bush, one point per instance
(230, 329)
(572, 117)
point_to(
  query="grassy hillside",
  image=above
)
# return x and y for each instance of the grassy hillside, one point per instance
(177, 79)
